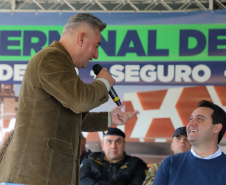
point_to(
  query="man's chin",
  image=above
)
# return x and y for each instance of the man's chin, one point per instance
(87, 63)
(84, 66)
(114, 157)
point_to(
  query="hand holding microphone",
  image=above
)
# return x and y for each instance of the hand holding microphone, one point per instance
(98, 69)
(103, 73)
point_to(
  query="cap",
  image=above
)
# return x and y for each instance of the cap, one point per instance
(179, 131)
(114, 131)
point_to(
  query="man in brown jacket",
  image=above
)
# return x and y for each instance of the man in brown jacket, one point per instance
(54, 108)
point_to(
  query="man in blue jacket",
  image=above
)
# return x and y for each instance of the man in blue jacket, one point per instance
(204, 164)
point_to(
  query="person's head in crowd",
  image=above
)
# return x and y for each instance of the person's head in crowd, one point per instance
(81, 38)
(180, 142)
(113, 144)
(207, 124)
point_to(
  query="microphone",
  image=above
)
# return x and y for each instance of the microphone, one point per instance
(112, 93)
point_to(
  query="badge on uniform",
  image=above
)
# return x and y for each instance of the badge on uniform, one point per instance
(124, 166)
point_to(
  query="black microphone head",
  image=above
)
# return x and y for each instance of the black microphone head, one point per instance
(96, 69)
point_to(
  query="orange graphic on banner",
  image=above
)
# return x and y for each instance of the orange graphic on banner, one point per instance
(221, 92)
(160, 128)
(151, 100)
(189, 100)
(161, 111)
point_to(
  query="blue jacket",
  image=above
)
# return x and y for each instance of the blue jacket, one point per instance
(186, 169)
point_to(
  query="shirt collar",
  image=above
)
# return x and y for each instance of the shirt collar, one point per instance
(216, 154)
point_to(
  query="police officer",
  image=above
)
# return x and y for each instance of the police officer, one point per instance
(112, 165)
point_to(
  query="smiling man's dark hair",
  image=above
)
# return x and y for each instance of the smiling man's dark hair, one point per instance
(218, 116)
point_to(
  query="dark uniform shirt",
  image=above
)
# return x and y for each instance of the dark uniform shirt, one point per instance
(83, 155)
(97, 171)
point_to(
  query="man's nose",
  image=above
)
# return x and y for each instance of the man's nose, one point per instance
(96, 54)
(192, 121)
(113, 144)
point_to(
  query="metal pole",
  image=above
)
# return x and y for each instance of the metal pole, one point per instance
(211, 5)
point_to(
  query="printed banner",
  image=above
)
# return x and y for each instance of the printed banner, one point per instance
(126, 43)
(157, 60)
(162, 111)
(138, 73)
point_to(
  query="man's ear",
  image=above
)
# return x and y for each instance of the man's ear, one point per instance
(217, 128)
(81, 37)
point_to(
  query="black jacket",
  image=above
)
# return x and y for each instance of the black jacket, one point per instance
(96, 171)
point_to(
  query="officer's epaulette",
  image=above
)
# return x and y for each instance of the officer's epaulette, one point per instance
(99, 162)
(96, 157)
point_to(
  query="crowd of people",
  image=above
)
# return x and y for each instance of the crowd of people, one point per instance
(47, 146)
(197, 157)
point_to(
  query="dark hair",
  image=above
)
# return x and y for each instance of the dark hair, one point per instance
(77, 19)
(218, 116)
